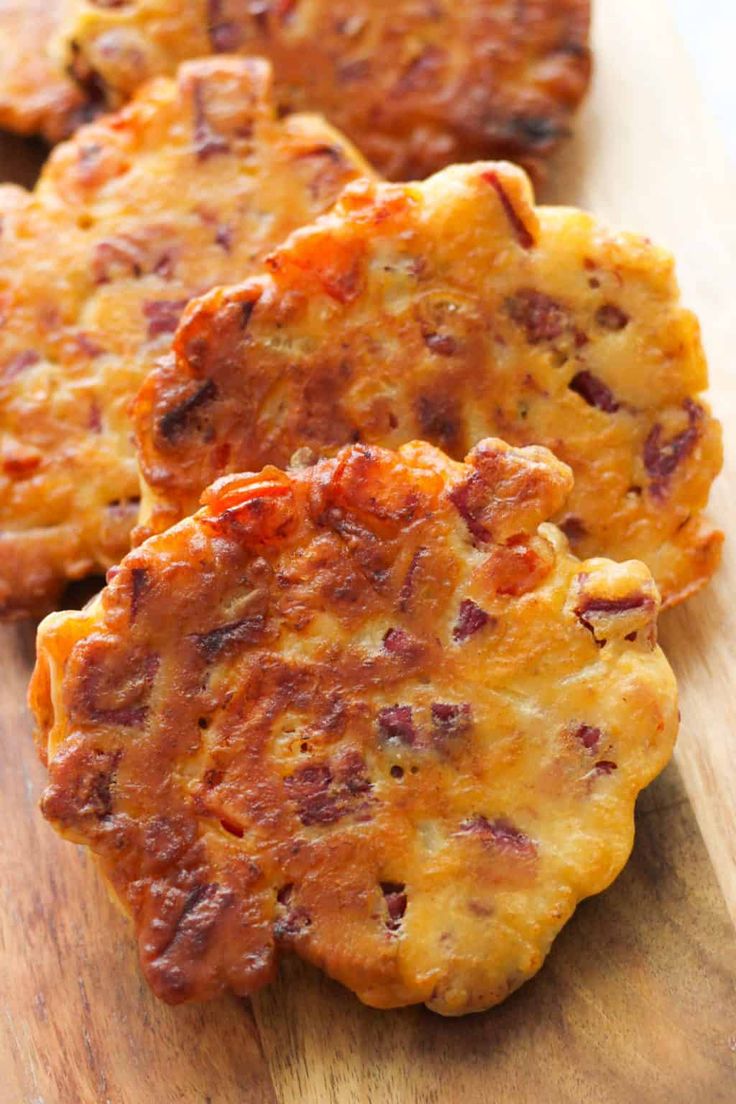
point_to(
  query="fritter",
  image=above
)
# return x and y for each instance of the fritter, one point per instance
(187, 187)
(35, 95)
(448, 311)
(371, 711)
(416, 84)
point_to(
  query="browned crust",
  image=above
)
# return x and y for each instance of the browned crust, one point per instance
(450, 310)
(364, 711)
(417, 84)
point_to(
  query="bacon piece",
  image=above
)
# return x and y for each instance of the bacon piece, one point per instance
(542, 317)
(395, 724)
(594, 391)
(471, 619)
(522, 232)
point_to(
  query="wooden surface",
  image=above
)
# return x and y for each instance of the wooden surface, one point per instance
(638, 999)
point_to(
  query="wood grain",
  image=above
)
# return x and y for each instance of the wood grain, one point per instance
(638, 999)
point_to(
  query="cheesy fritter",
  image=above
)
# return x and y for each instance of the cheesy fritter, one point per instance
(416, 84)
(448, 311)
(36, 96)
(370, 710)
(187, 187)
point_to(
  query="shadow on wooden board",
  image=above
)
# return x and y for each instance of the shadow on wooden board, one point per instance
(636, 1003)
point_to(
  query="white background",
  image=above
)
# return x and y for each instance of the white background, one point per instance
(708, 28)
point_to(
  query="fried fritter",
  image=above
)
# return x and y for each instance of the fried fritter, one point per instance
(187, 187)
(450, 310)
(371, 711)
(416, 83)
(35, 95)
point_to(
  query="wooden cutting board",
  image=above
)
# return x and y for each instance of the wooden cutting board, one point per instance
(638, 999)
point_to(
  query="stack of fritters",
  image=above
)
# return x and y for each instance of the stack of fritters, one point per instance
(367, 688)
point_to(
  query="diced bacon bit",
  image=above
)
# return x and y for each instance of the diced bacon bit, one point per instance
(439, 418)
(212, 644)
(605, 766)
(207, 142)
(588, 736)
(225, 35)
(611, 317)
(500, 832)
(117, 258)
(591, 605)
(176, 420)
(130, 715)
(224, 237)
(407, 587)
(661, 458)
(463, 497)
(94, 420)
(573, 529)
(139, 584)
(18, 364)
(471, 619)
(613, 605)
(395, 723)
(231, 827)
(351, 772)
(163, 315)
(309, 788)
(94, 796)
(323, 795)
(450, 719)
(594, 391)
(394, 894)
(201, 910)
(522, 232)
(400, 643)
(441, 344)
(542, 318)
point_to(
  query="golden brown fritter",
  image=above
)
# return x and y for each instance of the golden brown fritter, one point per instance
(450, 310)
(368, 711)
(35, 95)
(187, 187)
(416, 83)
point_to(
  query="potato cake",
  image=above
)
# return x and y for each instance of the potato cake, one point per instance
(417, 84)
(449, 311)
(370, 710)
